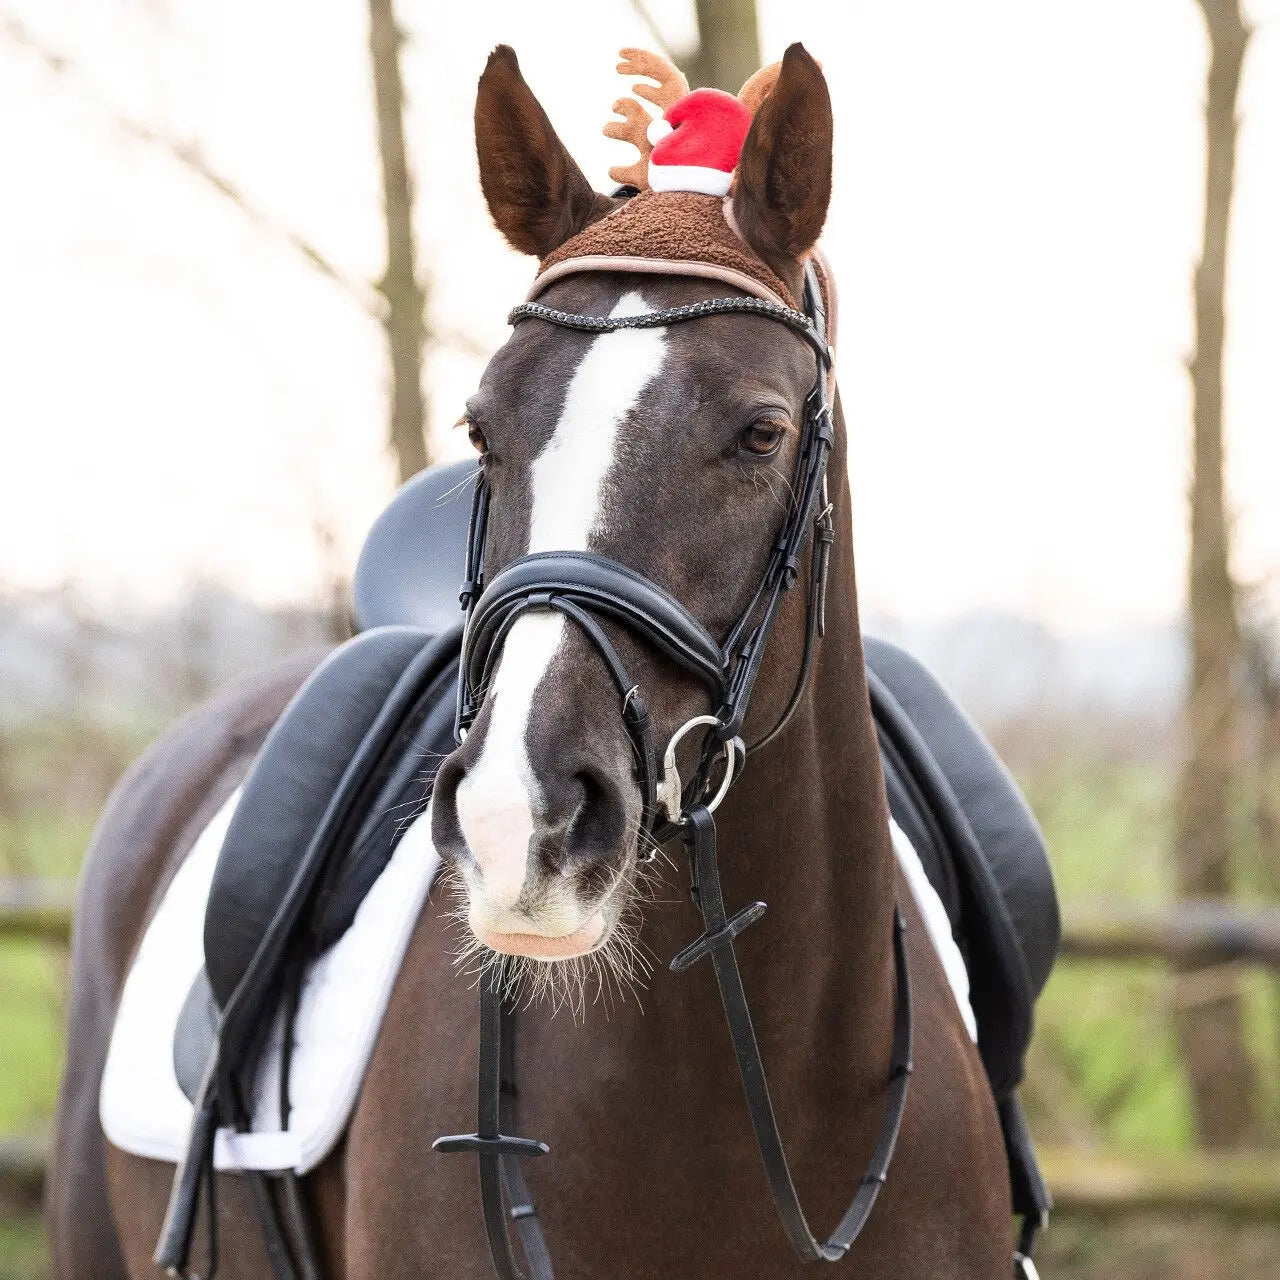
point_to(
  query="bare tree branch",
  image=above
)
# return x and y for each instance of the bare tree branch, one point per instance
(728, 44)
(193, 158)
(1221, 1073)
(655, 31)
(401, 285)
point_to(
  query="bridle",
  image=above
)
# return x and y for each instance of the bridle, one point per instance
(588, 589)
(582, 585)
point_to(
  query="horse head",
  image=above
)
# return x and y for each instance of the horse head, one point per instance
(669, 450)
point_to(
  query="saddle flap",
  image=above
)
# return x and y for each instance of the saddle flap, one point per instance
(980, 846)
(195, 1036)
(319, 777)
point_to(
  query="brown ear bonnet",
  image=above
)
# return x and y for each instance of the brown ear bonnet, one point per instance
(689, 231)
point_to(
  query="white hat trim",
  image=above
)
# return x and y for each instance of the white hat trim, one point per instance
(689, 177)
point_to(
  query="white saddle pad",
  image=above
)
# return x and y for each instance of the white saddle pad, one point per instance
(343, 999)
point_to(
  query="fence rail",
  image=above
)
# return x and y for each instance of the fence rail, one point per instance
(1095, 1183)
(1085, 1182)
(1244, 1187)
(36, 909)
(1203, 932)
(1206, 932)
(22, 1168)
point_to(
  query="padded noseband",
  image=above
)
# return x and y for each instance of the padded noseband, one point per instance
(602, 586)
(583, 587)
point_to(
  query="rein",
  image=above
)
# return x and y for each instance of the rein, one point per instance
(585, 587)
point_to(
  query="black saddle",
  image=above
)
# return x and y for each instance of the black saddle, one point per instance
(353, 757)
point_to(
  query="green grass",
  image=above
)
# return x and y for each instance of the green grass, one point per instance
(31, 983)
(44, 843)
(23, 1253)
(1154, 1247)
(33, 976)
(1104, 1067)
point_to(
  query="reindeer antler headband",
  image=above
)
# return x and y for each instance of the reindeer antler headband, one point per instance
(694, 144)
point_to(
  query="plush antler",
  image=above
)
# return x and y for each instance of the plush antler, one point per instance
(632, 128)
(634, 123)
(759, 86)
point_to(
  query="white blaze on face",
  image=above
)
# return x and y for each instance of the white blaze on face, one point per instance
(498, 797)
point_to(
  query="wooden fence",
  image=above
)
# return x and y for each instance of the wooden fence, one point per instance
(1103, 1183)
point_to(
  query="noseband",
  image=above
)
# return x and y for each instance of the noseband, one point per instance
(589, 589)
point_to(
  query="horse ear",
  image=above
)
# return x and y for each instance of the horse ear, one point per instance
(536, 194)
(783, 182)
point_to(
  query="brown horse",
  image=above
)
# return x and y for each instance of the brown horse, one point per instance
(667, 450)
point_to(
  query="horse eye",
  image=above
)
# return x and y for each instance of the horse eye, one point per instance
(762, 438)
(476, 436)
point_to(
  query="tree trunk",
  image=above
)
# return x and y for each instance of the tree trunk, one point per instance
(404, 320)
(1218, 1064)
(728, 45)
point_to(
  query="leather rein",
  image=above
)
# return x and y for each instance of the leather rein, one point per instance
(586, 589)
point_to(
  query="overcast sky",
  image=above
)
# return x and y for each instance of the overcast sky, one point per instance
(1015, 222)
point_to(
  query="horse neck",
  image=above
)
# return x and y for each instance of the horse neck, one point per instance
(807, 831)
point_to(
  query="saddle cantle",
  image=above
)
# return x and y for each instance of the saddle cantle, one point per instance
(324, 807)
(410, 568)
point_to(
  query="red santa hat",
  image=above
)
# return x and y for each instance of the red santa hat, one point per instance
(697, 142)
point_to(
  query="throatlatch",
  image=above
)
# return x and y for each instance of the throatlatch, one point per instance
(584, 587)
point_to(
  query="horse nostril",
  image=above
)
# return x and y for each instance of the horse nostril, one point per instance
(583, 834)
(445, 828)
(593, 788)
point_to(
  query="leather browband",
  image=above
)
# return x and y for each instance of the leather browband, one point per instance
(699, 270)
(655, 267)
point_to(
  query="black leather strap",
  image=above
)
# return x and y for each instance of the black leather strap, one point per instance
(496, 1091)
(499, 621)
(717, 941)
(499, 1154)
(602, 586)
(520, 1206)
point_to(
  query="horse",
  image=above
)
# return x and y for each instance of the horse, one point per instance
(670, 451)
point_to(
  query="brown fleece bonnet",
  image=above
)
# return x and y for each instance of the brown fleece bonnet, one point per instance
(667, 233)
(673, 233)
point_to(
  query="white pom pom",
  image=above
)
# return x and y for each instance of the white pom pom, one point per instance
(657, 130)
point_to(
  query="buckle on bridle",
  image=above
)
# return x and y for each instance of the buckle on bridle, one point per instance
(669, 791)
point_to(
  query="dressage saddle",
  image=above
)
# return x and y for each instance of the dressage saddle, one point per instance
(326, 800)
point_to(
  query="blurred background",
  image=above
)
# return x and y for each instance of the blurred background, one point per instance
(247, 281)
